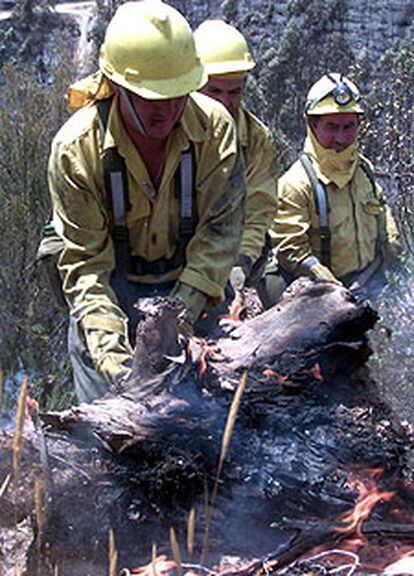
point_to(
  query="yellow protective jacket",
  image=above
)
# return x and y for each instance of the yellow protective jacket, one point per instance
(358, 217)
(261, 169)
(83, 219)
(260, 161)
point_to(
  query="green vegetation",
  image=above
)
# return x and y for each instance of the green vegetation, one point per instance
(104, 11)
(23, 35)
(32, 329)
(389, 139)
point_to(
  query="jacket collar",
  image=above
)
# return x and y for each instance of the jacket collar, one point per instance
(331, 166)
(195, 122)
(241, 123)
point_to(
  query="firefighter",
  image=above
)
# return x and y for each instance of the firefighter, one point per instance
(332, 222)
(147, 189)
(228, 61)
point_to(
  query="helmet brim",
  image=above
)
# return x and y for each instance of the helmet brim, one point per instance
(334, 108)
(219, 68)
(160, 89)
(329, 106)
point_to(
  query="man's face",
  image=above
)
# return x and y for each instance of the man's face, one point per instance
(335, 131)
(158, 117)
(228, 91)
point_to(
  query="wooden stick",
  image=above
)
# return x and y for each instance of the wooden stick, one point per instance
(18, 435)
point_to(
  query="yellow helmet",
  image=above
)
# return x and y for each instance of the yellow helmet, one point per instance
(333, 94)
(222, 48)
(149, 49)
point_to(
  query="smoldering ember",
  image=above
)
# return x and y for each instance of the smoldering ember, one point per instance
(314, 478)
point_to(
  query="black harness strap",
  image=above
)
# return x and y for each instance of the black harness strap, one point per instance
(116, 183)
(322, 208)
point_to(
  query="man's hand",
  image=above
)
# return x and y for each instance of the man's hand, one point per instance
(237, 278)
(185, 323)
(193, 302)
(240, 272)
(116, 370)
(321, 272)
(121, 377)
(108, 347)
(236, 307)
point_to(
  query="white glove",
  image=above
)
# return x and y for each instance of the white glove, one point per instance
(237, 278)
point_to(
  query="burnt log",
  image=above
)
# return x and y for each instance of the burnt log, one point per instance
(317, 327)
(137, 461)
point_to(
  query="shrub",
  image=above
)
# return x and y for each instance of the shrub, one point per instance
(32, 329)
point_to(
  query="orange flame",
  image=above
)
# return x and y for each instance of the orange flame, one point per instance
(268, 373)
(316, 372)
(236, 307)
(32, 407)
(283, 379)
(369, 496)
(408, 554)
(205, 351)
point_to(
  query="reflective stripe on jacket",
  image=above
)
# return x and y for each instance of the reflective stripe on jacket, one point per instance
(356, 221)
(261, 168)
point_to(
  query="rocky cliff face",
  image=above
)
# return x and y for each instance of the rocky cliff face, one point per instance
(372, 25)
(375, 25)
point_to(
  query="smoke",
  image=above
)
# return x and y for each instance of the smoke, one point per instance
(392, 365)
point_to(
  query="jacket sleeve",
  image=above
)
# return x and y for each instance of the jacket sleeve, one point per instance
(221, 197)
(261, 181)
(291, 227)
(388, 232)
(87, 260)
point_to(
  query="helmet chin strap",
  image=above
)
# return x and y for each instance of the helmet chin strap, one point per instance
(138, 124)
